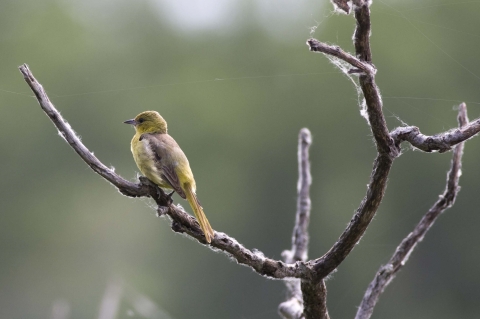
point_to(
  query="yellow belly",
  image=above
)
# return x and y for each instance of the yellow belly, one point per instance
(145, 160)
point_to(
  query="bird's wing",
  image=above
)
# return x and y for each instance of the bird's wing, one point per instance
(161, 145)
(169, 175)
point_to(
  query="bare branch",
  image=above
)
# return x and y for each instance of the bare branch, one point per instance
(385, 146)
(293, 307)
(64, 129)
(363, 61)
(182, 221)
(440, 142)
(361, 37)
(371, 93)
(299, 249)
(333, 50)
(387, 272)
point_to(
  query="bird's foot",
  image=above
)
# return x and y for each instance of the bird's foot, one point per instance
(145, 181)
(169, 196)
(159, 192)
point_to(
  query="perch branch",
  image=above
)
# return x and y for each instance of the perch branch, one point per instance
(292, 308)
(182, 221)
(64, 129)
(387, 272)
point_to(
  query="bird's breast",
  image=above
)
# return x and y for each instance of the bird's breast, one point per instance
(145, 158)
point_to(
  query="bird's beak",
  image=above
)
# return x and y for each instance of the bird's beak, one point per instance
(131, 122)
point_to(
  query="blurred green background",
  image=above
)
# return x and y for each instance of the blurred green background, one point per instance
(236, 82)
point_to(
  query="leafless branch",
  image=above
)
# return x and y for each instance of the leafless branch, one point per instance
(182, 221)
(441, 142)
(292, 308)
(363, 61)
(371, 93)
(336, 51)
(385, 146)
(387, 272)
(299, 249)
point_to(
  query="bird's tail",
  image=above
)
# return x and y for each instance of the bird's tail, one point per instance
(199, 214)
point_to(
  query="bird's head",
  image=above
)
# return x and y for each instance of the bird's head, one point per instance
(148, 122)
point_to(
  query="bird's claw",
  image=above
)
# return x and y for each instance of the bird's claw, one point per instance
(169, 197)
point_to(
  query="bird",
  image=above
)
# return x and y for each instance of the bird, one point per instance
(162, 161)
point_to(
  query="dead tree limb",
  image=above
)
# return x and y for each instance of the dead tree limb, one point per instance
(336, 51)
(387, 151)
(441, 142)
(388, 144)
(292, 308)
(387, 272)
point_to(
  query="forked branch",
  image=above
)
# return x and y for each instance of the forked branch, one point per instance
(387, 272)
(387, 151)
(388, 144)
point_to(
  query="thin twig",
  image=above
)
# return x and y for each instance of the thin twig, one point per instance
(64, 129)
(182, 221)
(333, 50)
(387, 272)
(299, 249)
(292, 308)
(440, 142)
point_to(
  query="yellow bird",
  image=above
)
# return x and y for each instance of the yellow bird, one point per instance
(163, 162)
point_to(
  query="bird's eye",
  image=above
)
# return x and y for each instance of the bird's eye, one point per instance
(141, 120)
